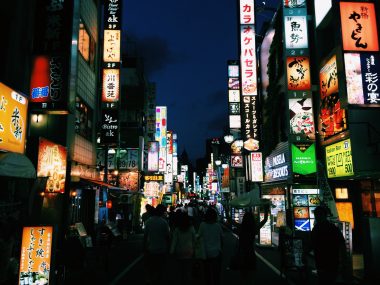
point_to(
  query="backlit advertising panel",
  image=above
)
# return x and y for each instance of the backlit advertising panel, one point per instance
(169, 157)
(304, 161)
(35, 259)
(304, 201)
(110, 126)
(248, 60)
(332, 118)
(250, 123)
(160, 135)
(111, 52)
(362, 71)
(237, 161)
(129, 159)
(298, 73)
(302, 118)
(233, 83)
(233, 96)
(257, 173)
(153, 150)
(13, 119)
(233, 70)
(321, 8)
(52, 164)
(111, 82)
(129, 180)
(112, 14)
(234, 108)
(296, 32)
(339, 159)
(294, 3)
(358, 23)
(247, 12)
(235, 121)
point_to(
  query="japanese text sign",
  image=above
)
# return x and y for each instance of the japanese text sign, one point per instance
(247, 12)
(339, 159)
(111, 83)
(296, 32)
(362, 78)
(298, 73)
(248, 60)
(52, 164)
(359, 30)
(111, 52)
(36, 254)
(303, 158)
(257, 172)
(13, 119)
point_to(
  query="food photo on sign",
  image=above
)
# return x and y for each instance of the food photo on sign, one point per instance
(301, 117)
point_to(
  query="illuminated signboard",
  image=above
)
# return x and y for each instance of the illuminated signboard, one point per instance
(112, 14)
(303, 158)
(111, 52)
(109, 126)
(237, 161)
(129, 159)
(233, 96)
(332, 118)
(155, 177)
(160, 135)
(302, 118)
(153, 150)
(226, 180)
(233, 83)
(129, 180)
(233, 70)
(13, 119)
(52, 164)
(362, 71)
(257, 167)
(237, 147)
(247, 12)
(111, 79)
(248, 60)
(169, 157)
(296, 32)
(304, 203)
(35, 256)
(276, 165)
(298, 73)
(339, 159)
(235, 121)
(294, 3)
(250, 124)
(234, 108)
(359, 30)
(321, 8)
(175, 155)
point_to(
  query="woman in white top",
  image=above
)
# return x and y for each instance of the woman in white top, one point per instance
(211, 233)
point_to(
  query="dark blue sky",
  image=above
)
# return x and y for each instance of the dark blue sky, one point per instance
(186, 45)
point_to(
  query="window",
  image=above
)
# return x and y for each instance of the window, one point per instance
(83, 119)
(86, 45)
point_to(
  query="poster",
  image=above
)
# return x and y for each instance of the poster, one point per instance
(339, 159)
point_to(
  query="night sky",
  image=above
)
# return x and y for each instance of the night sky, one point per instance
(185, 46)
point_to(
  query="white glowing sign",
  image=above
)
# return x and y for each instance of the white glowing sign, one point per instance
(248, 60)
(296, 32)
(247, 12)
(111, 52)
(160, 135)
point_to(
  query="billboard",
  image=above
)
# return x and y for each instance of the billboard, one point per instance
(236, 161)
(248, 60)
(129, 180)
(111, 46)
(13, 119)
(294, 3)
(332, 118)
(304, 161)
(358, 23)
(235, 121)
(250, 123)
(247, 12)
(298, 73)
(362, 71)
(52, 164)
(233, 96)
(302, 118)
(112, 14)
(35, 259)
(153, 150)
(339, 159)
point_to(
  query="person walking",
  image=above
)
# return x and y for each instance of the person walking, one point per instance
(211, 233)
(182, 247)
(328, 246)
(156, 245)
(147, 214)
(246, 248)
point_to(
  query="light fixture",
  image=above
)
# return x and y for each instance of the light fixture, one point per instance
(224, 165)
(37, 118)
(228, 138)
(218, 162)
(111, 151)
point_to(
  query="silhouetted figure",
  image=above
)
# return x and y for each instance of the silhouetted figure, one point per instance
(246, 250)
(182, 247)
(148, 213)
(156, 245)
(211, 233)
(329, 247)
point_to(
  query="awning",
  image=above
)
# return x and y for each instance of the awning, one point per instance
(16, 165)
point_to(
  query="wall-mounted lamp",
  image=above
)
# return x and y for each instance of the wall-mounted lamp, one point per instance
(37, 118)
(218, 162)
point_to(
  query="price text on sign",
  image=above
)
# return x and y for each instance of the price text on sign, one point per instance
(339, 159)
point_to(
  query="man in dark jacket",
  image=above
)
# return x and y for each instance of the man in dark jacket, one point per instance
(329, 247)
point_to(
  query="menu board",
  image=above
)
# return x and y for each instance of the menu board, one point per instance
(265, 232)
(304, 202)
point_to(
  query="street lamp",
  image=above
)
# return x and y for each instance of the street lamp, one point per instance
(228, 138)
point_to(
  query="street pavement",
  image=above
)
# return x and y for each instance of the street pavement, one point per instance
(123, 264)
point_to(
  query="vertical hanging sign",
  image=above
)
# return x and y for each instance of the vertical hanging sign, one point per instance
(111, 53)
(248, 75)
